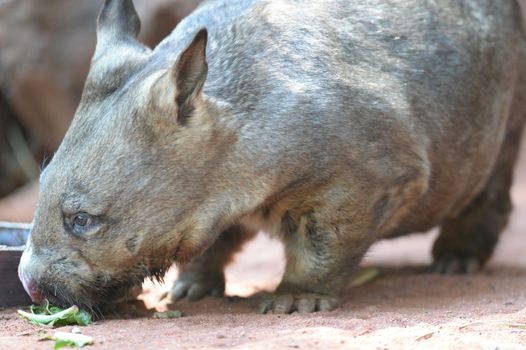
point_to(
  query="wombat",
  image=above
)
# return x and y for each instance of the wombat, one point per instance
(330, 124)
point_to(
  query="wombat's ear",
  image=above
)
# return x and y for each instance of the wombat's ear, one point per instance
(189, 74)
(118, 24)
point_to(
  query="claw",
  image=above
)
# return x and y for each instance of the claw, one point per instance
(196, 292)
(283, 304)
(265, 306)
(327, 304)
(303, 303)
(197, 286)
(449, 264)
(179, 290)
(306, 305)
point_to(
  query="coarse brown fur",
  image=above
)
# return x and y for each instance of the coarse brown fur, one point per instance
(329, 124)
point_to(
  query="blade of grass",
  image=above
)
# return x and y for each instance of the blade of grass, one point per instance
(365, 276)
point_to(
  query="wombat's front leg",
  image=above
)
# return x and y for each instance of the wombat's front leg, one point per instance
(204, 275)
(320, 257)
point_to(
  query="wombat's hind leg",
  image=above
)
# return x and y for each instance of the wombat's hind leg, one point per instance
(466, 243)
(204, 275)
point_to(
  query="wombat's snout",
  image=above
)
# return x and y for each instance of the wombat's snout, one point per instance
(31, 288)
(29, 283)
(44, 281)
(64, 278)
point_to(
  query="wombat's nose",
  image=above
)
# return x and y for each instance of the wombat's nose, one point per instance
(30, 285)
(31, 288)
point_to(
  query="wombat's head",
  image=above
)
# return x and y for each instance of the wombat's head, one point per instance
(121, 197)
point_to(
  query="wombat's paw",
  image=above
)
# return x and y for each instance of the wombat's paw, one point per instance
(196, 286)
(303, 303)
(450, 264)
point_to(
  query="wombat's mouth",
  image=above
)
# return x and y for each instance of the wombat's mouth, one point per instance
(100, 293)
(94, 299)
(57, 296)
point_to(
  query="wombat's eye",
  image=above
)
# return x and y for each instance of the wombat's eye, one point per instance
(81, 221)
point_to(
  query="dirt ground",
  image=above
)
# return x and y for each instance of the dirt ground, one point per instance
(405, 307)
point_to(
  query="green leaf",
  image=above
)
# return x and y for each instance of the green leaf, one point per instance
(168, 314)
(71, 339)
(62, 343)
(83, 318)
(54, 309)
(42, 309)
(54, 316)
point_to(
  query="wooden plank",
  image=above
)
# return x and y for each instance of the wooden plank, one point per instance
(12, 292)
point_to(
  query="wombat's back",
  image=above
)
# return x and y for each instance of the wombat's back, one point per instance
(326, 82)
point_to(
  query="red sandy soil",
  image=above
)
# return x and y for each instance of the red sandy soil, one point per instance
(403, 308)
